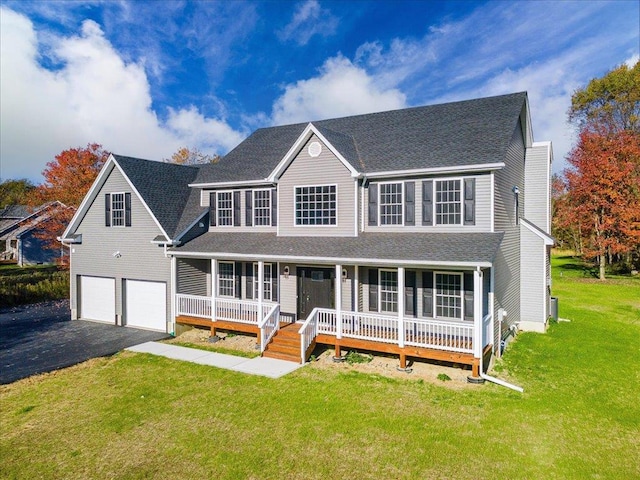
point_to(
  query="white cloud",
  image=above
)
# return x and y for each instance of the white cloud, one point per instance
(94, 97)
(308, 20)
(340, 89)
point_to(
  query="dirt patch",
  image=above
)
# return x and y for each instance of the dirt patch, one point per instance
(323, 358)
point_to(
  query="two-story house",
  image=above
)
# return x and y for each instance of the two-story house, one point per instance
(420, 232)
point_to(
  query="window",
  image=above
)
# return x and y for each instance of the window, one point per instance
(117, 209)
(391, 203)
(448, 202)
(262, 208)
(316, 205)
(449, 295)
(226, 279)
(225, 208)
(388, 290)
(267, 281)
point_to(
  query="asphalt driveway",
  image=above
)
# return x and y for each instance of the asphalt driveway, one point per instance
(42, 337)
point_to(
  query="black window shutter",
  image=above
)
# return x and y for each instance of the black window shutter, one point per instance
(249, 280)
(427, 294)
(127, 209)
(373, 289)
(107, 210)
(248, 200)
(238, 282)
(469, 201)
(468, 296)
(427, 202)
(274, 282)
(274, 207)
(212, 209)
(373, 204)
(409, 203)
(410, 292)
(236, 208)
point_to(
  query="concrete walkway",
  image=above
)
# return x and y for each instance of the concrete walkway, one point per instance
(267, 367)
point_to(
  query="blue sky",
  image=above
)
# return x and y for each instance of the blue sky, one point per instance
(144, 78)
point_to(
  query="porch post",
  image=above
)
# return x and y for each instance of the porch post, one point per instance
(260, 288)
(401, 307)
(355, 292)
(338, 302)
(174, 293)
(214, 291)
(477, 315)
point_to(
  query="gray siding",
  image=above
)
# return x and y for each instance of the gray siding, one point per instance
(288, 290)
(243, 220)
(533, 301)
(482, 211)
(194, 276)
(139, 260)
(326, 169)
(507, 262)
(537, 186)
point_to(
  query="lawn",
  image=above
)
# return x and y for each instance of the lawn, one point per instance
(30, 284)
(139, 416)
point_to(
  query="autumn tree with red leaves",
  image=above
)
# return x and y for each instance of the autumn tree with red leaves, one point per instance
(67, 180)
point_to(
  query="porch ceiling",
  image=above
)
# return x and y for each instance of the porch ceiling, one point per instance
(386, 248)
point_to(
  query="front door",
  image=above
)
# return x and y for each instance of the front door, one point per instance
(315, 289)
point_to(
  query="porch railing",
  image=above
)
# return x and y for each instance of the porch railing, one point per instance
(193, 305)
(269, 326)
(308, 332)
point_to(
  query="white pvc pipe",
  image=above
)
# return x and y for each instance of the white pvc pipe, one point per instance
(497, 380)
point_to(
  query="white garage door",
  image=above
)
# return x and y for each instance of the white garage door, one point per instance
(98, 299)
(146, 305)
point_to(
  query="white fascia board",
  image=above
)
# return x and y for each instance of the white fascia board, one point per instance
(548, 239)
(333, 261)
(90, 196)
(238, 183)
(309, 130)
(191, 225)
(484, 167)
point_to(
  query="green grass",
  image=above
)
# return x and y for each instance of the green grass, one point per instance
(21, 285)
(215, 348)
(140, 416)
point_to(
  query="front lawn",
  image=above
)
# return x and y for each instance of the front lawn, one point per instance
(139, 416)
(31, 284)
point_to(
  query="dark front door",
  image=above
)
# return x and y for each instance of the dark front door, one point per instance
(315, 289)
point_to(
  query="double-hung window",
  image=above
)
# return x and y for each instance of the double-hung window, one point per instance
(117, 209)
(262, 208)
(448, 202)
(226, 279)
(388, 290)
(391, 205)
(316, 205)
(449, 295)
(267, 281)
(224, 209)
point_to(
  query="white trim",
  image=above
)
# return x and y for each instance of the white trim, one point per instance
(435, 294)
(438, 170)
(233, 278)
(253, 206)
(401, 306)
(332, 261)
(238, 183)
(124, 210)
(218, 192)
(295, 219)
(355, 207)
(392, 270)
(478, 344)
(435, 202)
(548, 239)
(402, 210)
(309, 130)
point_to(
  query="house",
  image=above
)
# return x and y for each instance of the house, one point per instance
(19, 234)
(420, 232)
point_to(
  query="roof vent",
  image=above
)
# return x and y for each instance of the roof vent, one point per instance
(315, 149)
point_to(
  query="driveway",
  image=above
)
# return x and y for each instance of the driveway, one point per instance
(42, 337)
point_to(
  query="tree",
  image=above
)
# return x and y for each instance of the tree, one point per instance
(563, 226)
(612, 102)
(604, 192)
(15, 192)
(191, 156)
(67, 179)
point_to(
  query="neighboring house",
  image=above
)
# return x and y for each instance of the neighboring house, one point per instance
(420, 232)
(19, 229)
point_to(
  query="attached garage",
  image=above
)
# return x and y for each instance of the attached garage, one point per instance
(98, 299)
(146, 305)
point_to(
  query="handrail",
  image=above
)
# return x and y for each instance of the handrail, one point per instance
(269, 328)
(307, 337)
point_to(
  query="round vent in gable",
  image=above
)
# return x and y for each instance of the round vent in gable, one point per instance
(315, 149)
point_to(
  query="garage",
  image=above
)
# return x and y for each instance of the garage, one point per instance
(98, 299)
(146, 305)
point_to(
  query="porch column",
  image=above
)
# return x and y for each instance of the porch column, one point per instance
(477, 313)
(260, 288)
(338, 302)
(214, 290)
(173, 291)
(401, 307)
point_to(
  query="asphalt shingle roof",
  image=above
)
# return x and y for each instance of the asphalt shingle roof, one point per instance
(165, 189)
(463, 133)
(401, 247)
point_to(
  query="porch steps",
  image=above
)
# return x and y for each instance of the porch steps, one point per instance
(285, 345)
